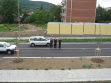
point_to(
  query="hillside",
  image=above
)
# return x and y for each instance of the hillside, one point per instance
(28, 5)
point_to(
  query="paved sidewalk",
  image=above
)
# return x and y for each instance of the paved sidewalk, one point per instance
(55, 75)
(54, 37)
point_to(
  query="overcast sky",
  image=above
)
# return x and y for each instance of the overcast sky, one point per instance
(103, 3)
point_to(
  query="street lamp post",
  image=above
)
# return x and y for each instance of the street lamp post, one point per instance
(18, 19)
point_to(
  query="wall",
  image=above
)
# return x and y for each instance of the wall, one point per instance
(78, 28)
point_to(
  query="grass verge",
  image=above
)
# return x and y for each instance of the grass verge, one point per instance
(66, 40)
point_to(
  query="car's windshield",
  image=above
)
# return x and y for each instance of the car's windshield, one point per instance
(7, 44)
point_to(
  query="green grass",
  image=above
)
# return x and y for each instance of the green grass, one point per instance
(3, 29)
(89, 66)
(99, 65)
(1, 26)
(87, 40)
(20, 68)
(84, 66)
(27, 68)
(64, 40)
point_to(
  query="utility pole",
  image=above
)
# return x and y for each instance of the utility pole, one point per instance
(18, 19)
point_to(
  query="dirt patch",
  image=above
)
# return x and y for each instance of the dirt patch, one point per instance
(54, 63)
(27, 31)
(97, 60)
(17, 61)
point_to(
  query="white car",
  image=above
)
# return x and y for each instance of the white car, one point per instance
(4, 46)
(38, 40)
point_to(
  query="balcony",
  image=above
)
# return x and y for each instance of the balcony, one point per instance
(63, 0)
(64, 8)
(62, 14)
(63, 3)
(64, 20)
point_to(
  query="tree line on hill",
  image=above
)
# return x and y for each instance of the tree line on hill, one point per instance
(9, 11)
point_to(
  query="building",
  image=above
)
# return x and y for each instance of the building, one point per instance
(108, 8)
(78, 11)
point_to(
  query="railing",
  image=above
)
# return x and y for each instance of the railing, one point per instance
(62, 14)
(64, 8)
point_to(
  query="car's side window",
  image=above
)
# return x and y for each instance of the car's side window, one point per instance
(35, 39)
(31, 39)
(1, 45)
(39, 39)
(43, 39)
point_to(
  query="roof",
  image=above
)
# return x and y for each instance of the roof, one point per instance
(37, 36)
(2, 42)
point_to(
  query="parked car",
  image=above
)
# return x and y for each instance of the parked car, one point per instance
(38, 40)
(4, 46)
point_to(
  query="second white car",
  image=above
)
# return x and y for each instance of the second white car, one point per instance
(38, 40)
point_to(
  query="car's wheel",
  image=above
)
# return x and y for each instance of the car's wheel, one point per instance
(9, 52)
(32, 44)
(48, 44)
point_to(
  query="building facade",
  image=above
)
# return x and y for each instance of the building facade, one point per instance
(78, 11)
(108, 8)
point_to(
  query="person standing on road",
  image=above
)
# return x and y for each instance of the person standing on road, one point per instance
(51, 43)
(55, 43)
(59, 41)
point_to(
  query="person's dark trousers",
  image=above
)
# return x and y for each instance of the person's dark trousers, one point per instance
(50, 45)
(59, 46)
(55, 45)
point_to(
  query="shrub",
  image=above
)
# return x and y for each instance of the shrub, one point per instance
(69, 68)
(46, 68)
(36, 69)
(62, 68)
(84, 66)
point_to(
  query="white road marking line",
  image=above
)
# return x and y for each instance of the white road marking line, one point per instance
(72, 43)
(62, 48)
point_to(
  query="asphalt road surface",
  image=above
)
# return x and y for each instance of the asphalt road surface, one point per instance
(67, 50)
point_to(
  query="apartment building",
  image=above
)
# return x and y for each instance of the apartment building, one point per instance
(78, 11)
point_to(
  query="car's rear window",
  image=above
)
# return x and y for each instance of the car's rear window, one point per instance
(31, 39)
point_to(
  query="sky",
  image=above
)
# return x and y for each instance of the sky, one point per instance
(103, 3)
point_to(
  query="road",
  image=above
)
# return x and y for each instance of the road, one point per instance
(67, 50)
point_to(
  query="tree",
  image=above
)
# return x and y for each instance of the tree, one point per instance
(54, 13)
(41, 7)
(9, 10)
(41, 17)
(100, 14)
(33, 17)
(51, 17)
(27, 20)
(108, 15)
(57, 13)
(52, 9)
(24, 16)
